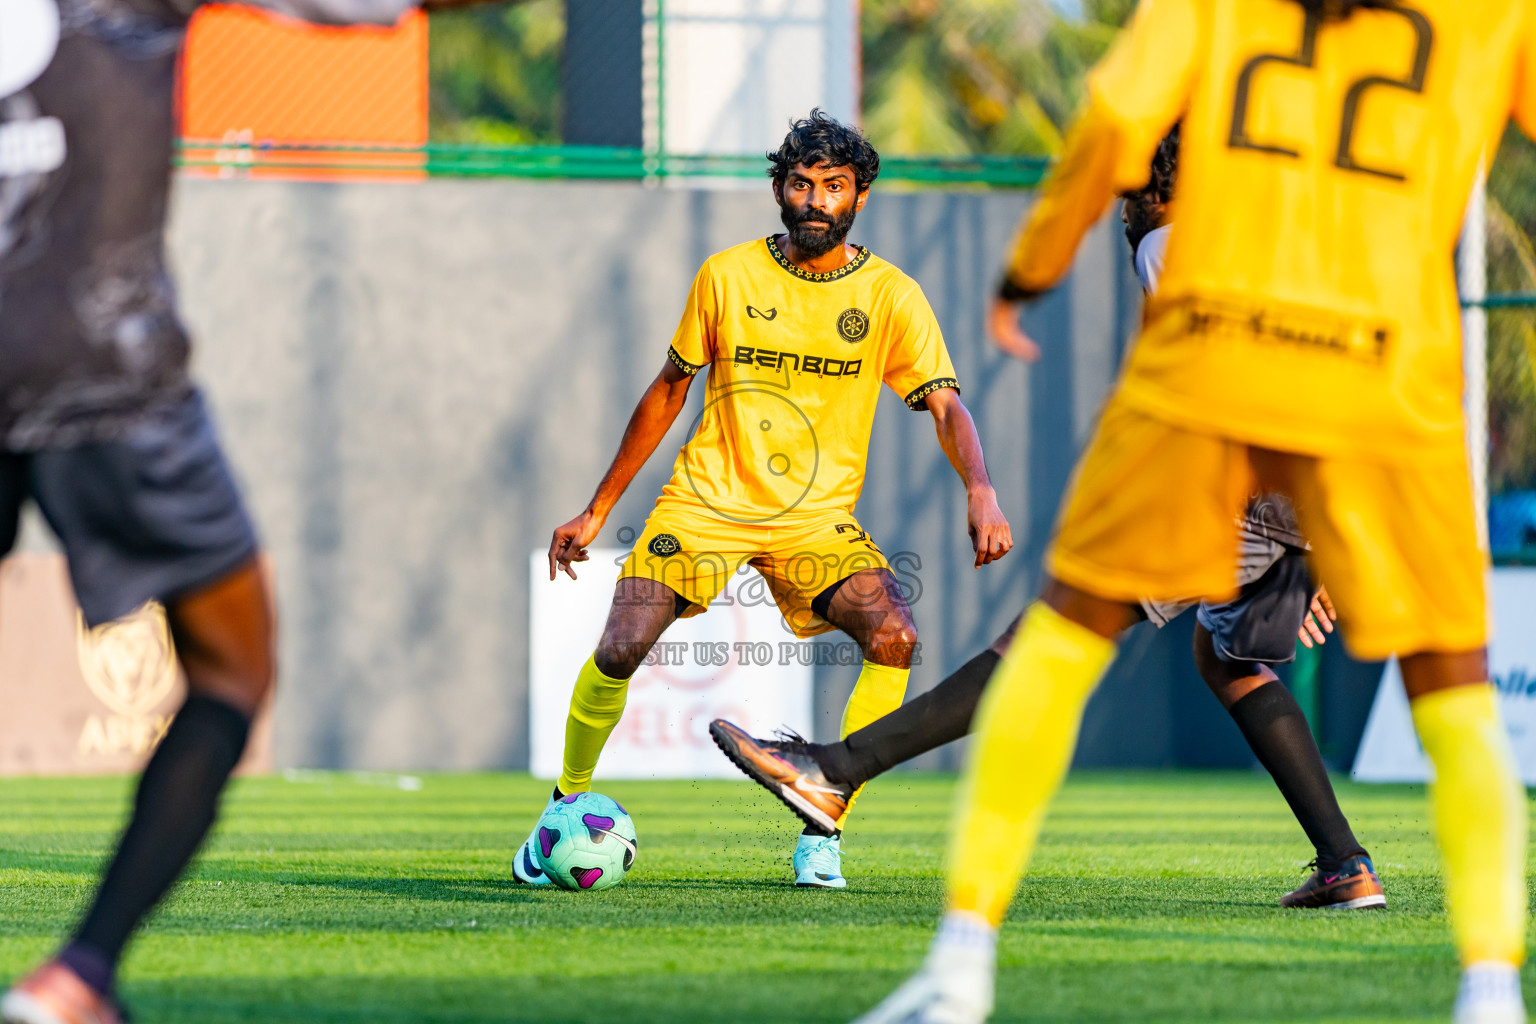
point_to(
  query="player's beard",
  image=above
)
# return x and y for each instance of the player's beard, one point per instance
(815, 242)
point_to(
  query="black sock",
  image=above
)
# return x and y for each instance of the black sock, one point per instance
(90, 966)
(817, 830)
(1275, 728)
(924, 723)
(175, 807)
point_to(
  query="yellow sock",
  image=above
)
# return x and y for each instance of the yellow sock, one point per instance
(1026, 730)
(879, 691)
(597, 704)
(1479, 809)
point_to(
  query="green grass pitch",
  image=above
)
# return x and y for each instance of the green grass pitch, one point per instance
(347, 898)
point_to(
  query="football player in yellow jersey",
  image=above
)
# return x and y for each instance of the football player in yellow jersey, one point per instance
(1305, 338)
(798, 332)
(1236, 646)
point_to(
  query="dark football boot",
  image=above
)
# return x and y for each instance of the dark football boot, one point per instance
(1354, 886)
(787, 768)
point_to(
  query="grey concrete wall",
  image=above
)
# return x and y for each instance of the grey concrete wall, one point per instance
(418, 382)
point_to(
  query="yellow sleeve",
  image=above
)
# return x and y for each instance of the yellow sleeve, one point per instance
(1523, 105)
(693, 344)
(1135, 95)
(917, 363)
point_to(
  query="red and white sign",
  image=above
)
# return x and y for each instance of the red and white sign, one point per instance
(738, 660)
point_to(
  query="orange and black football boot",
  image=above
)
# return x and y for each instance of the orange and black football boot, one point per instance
(54, 994)
(1354, 886)
(786, 768)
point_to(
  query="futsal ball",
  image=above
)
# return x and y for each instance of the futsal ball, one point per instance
(585, 841)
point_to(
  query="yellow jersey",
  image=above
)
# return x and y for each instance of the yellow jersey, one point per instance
(795, 362)
(1309, 302)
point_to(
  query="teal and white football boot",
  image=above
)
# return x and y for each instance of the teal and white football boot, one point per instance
(818, 862)
(525, 866)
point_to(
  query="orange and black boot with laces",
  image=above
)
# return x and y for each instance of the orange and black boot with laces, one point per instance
(1352, 886)
(787, 767)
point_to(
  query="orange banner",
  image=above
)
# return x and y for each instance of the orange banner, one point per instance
(260, 85)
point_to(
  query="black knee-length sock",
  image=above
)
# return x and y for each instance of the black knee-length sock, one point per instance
(924, 723)
(177, 800)
(1276, 729)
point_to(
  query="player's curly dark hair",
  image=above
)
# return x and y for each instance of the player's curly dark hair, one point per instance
(1165, 167)
(1163, 172)
(822, 139)
(1146, 208)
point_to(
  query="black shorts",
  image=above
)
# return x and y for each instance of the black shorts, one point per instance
(150, 515)
(1262, 622)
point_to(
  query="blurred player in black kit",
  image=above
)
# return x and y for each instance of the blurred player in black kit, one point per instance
(101, 426)
(1235, 644)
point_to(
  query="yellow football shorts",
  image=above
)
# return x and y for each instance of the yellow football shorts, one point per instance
(695, 552)
(1151, 511)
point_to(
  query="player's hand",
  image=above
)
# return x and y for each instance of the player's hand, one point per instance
(991, 536)
(1320, 619)
(570, 541)
(1003, 325)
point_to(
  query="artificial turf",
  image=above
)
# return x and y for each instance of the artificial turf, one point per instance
(334, 897)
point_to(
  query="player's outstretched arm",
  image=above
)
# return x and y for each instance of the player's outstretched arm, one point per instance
(652, 418)
(991, 537)
(1007, 333)
(1134, 96)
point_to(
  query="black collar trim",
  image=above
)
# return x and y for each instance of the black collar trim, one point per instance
(834, 275)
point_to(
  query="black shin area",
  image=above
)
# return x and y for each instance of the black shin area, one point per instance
(817, 830)
(1276, 729)
(177, 800)
(927, 722)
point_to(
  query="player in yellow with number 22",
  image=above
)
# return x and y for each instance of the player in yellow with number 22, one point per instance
(1305, 339)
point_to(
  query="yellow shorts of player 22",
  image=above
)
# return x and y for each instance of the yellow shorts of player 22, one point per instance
(1151, 508)
(695, 552)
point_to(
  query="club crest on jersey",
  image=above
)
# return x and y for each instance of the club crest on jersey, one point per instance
(853, 325)
(767, 314)
(664, 544)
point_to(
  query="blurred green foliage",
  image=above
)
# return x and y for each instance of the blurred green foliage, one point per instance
(949, 77)
(1512, 332)
(495, 73)
(941, 77)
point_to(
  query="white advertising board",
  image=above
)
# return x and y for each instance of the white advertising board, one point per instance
(735, 661)
(1390, 751)
(733, 73)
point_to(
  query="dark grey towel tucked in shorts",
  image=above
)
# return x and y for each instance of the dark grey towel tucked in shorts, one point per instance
(1261, 623)
(152, 514)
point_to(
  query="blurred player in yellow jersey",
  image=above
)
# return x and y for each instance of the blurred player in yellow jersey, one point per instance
(1305, 338)
(798, 332)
